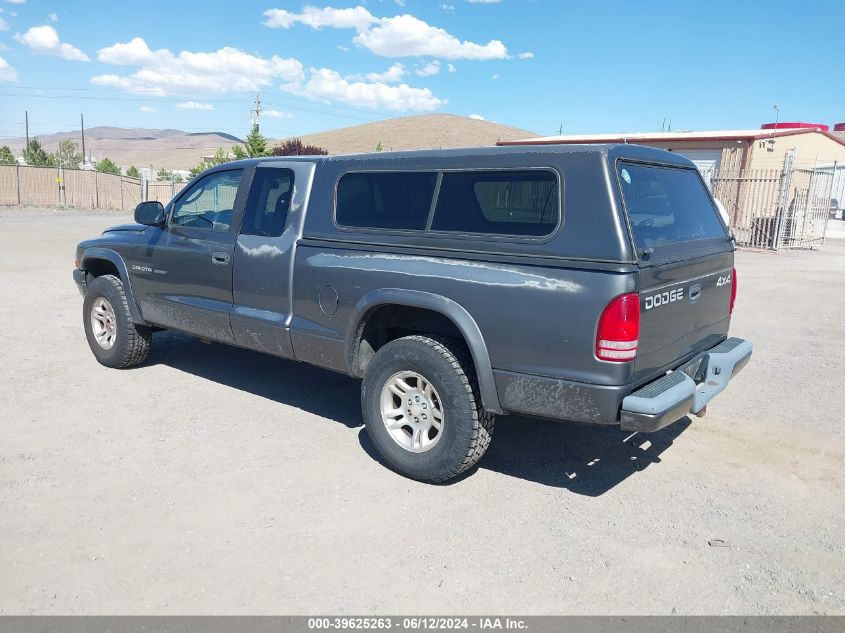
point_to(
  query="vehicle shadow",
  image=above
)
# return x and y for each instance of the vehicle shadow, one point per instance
(585, 459)
(312, 389)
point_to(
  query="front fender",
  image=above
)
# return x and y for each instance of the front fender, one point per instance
(95, 253)
(437, 303)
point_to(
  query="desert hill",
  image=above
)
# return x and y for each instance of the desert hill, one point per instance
(175, 149)
(427, 131)
(169, 149)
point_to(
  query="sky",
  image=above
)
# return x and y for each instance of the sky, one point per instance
(541, 65)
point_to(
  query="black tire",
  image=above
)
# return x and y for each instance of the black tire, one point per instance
(132, 342)
(467, 428)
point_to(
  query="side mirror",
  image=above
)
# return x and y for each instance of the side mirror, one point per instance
(150, 213)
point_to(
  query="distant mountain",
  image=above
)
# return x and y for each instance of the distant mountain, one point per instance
(426, 131)
(168, 149)
(175, 149)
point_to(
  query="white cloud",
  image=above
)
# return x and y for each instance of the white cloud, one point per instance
(431, 68)
(405, 35)
(447, 7)
(392, 75)
(135, 52)
(328, 85)
(4, 26)
(495, 77)
(484, 1)
(355, 18)
(399, 36)
(7, 73)
(53, 17)
(276, 114)
(526, 55)
(451, 68)
(162, 72)
(194, 105)
(16, 1)
(477, 117)
(44, 39)
(401, 3)
(147, 109)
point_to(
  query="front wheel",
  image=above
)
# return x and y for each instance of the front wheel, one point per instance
(422, 409)
(113, 337)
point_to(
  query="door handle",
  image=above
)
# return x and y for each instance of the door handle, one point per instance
(221, 258)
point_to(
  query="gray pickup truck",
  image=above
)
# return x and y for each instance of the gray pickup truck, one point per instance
(592, 284)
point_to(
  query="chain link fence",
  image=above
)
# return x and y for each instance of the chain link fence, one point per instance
(774, 209)
(24, 185)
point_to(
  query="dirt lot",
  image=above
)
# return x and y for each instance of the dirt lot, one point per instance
(217, 480)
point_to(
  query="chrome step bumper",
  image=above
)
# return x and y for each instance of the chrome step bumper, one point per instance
(677, 394)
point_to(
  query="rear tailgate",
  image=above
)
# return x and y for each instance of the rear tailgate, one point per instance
(686, 264)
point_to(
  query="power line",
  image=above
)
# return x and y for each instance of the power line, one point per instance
(156, 98)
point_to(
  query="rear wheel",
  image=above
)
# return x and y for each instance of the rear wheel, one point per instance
(422, 409)
(113, 337)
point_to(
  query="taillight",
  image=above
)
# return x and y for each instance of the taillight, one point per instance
(733, 289)
(619, 329)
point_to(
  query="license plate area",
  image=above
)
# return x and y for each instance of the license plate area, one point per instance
(697, 369)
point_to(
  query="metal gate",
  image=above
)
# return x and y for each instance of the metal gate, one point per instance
(774, 209)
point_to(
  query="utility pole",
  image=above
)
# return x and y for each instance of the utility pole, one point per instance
(255, 113)
(560, 130)
(82, 125)
(26, 115)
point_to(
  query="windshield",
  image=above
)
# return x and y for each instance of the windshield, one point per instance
(667, 205)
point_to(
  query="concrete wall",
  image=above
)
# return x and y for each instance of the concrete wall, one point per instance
(733, 152)
(813, 148)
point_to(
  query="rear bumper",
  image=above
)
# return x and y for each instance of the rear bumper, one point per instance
(686, 390)
(80, 278)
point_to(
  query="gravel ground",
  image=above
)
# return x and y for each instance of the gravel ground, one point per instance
(218, 480)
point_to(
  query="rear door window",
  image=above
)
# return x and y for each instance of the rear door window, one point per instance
(521, 203)
(385, 200)
(667, 205)
(268, 203)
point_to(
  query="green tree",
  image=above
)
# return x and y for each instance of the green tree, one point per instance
(379, 147)
(6, 156)
(133, 172)
(35, 155)
(220, 156)
(239, 152)
(255, 144)
(164, 174)
(107, 166)
(68, 155)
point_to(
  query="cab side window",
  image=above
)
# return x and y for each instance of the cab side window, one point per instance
(209, 202)
(519, 203)
(385, 200)
(268, 203)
